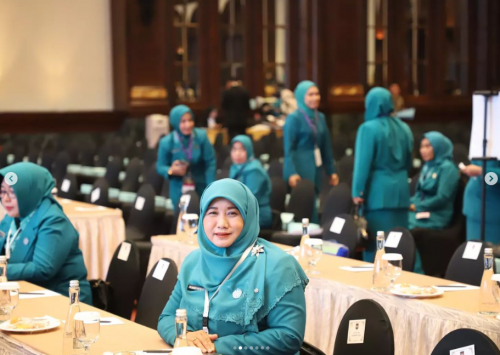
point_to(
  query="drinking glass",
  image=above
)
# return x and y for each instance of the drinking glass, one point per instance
(393, 267)
(87, 328)
(190, 225)
(314, 251)
(9, 297)
(495, 283)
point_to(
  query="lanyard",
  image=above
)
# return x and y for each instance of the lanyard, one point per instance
(9, 241)
(188, 153)
(207, 300)
(313, 127)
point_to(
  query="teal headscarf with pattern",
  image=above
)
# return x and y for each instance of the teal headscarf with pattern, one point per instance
(237, 170)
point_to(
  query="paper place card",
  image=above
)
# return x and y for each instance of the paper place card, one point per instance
(65, 185)
(393, 239)
(139, 203)
(357, 268)
(110, 321)
(423, 215)
(456, 287)
(37, 294)
(466, 350)
(356, 332)
(161, 269)
(90, 209)
(337, 225)
(472, 250)
(95, 195)
(124, 252)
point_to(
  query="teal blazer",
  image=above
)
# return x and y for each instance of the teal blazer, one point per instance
(435, 193)
(379, 177)
(47, 252)
(299, 143)
(202, 165)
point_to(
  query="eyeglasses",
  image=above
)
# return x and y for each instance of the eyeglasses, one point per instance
(11, 195)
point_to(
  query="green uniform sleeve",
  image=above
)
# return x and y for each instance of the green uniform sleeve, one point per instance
(164, 157)
(290, 138)
(363, 157)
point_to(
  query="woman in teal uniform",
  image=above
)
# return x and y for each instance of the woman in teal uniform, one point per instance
(307, 141)
(185, 156)
(39, 241)
(262, 302)
(432, 204)
(382, 160)
(250, 172)
(472, 202)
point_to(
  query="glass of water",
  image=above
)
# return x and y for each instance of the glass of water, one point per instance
(314, 251)
(87, 328)
(495, 283)
(190, 225)
(9, 297)
(393, 266)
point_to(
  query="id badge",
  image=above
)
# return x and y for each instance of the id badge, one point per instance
(317, 157)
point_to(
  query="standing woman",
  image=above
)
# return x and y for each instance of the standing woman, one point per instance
(250, 172)
(307, 141)
(382, 160)
(185, 156)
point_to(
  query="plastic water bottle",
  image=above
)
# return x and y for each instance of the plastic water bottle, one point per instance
(3, 268)
(303, 247)
(180, 222)
(380, 281)
(70, 344)
(487, 303)
(180, 329)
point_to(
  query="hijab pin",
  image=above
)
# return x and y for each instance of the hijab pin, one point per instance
(434, 175)
(256, 250)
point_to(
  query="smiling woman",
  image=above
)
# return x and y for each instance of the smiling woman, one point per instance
(242, 291)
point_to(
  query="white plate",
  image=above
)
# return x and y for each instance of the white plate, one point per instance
(397, 291)
(52, 323)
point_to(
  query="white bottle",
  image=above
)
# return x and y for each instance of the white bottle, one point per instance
(180, 329)
(380, 281)
(70, 345)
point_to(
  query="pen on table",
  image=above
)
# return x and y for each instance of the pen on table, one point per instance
(105, 321)
(32, 293)
(158, 351)
(458, 286)
(361, 267)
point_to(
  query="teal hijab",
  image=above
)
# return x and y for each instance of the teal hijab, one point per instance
(175, 116)
(379, 106)
(300, 94)
(237, 170)
(34, 185)
(273, 273)
(442, 147)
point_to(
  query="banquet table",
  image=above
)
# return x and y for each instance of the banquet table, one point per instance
(418, 325)
(128, 336)
(101, 230)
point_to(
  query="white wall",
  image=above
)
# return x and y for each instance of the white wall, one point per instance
(55, 55)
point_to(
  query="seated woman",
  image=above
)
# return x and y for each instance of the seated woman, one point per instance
(250, 171)
(432, 204)
(262, 301)
(37, 237)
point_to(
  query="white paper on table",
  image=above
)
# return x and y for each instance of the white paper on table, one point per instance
(124, 252)
(89, 209)
(472, 250)
(37, 294)
(64, 201)
(357, 269)
(111, 320)
(65, 185)
(451, 289)
(95, 195)
(337, 225)
(393, 239)
(139, 203)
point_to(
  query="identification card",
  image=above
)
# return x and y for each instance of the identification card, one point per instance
(317, 157)
(356, 333)
(423, 215)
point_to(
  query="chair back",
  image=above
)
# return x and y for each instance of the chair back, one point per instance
(402, 242)
(465, 270)
(461, 338)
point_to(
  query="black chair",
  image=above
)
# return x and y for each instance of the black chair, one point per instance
(3, 160)
(155, 294)
(123, 277)
(308, 349)
(347, 236)
(219, 142)
(286, 238)
(68, 187)
(112, 175)
(154, 179)
(100, 198)
(302, 200)
(60, 167)
(133, 172)
(33, 155)
(460, 154)
(277, 150)
(87, 155)
(413, 183)
(149, 158)
(275, 169)
(436, 247)
(345, 168)
(227, 164)
(337, 202)
(406, 247)
(165, 189)
(48, 159)
(379, 337)
(222, 155)
(461, 338)
(259, 148)
(141, 214)
(193, 207)
(278, 194)
(222, 174)
(467, 271)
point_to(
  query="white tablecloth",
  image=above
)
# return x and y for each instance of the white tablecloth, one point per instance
(418, 325)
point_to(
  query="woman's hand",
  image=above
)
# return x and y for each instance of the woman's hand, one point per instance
(412, 207)
(357, 200)
(178, 168)
(294, 180)
(334, 180)
(202, 340)
(472, 170)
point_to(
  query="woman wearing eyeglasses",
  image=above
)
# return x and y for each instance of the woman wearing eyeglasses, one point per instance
(39, 241)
